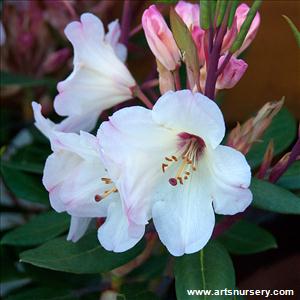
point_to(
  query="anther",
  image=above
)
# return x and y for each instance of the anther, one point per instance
(180, 180)
(174, 157)
(173, 181)
(164, 166)
(98, 198)
(168, 159)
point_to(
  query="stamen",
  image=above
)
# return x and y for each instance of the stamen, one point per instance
(193, 148)
(105, 194)
(106, 180)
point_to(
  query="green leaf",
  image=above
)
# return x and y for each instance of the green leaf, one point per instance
(234, 5)
(205, 14)
(38, 230)
(85, 256)
(23, 80)
(282, 130)
(271, 197)
(30, 158)
(136, 291)
(43, 293)
(185, 43)
(294, 30)
(238, 42)
(24, 186)
(247, 238)
(291, 178)
(209, 269)
(221, 9)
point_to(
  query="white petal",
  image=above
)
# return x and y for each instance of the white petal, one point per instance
(116, 234)
(78, 228)
(190, 112)
(231, 176)
(183, 215)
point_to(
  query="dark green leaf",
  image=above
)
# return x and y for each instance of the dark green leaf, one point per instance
(24, 186)
(23, 80)
(38, 230)
(282, 130)
(30, 158)
(209, 269)
(234, 5)
(43, 293)
(271, 197)
(205, 14)
(291, 178)
(247, 238)
(294, 30)
(136, 291)
(85, 256)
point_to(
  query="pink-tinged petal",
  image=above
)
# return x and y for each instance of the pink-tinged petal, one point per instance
(112, 38)
(232, 73)
(44, 125)
(58, 168)
(189, 13)
(160, 38)
(87, 92)
(116, 234)
(241, 14)
(76, 123)
(230, 37)
(183, 215)
(198, 35)
(231, 176)
(99, 79)
(78, 228)
(194, 113)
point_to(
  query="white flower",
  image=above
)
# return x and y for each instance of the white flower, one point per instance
(100, 78)
(174, 169)
(78, 183)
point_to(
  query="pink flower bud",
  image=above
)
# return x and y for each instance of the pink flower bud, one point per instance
(189, 13)
(232, 73)
(160, 38)
(240, 15)
(55, 60)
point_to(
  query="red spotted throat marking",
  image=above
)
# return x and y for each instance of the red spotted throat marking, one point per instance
(107, 192)
(193, 147)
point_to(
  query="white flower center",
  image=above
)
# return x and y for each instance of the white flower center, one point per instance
(191, 147)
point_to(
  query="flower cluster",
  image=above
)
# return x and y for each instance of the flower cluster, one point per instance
(164, 163)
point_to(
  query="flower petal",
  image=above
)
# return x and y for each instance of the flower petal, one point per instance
(116, 234)
(78, 228)
(231, 176)
(190, 112)
(183, 215)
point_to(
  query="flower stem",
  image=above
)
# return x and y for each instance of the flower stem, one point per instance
(177, 79)
(149, 84)
(139, 94)
(126, 20)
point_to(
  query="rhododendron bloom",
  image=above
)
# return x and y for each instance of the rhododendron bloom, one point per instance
(160, 38)
(100, 78)
(174, 169)
(78, 183)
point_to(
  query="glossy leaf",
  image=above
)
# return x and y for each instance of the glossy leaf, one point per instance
(23, 80)
(24, 186)
(247, 238)
(38, 230)
(209, 269)
(282, 130)
(43, 293)
(85, 256)
(294, 30)
(291, 178)
(274, 198)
